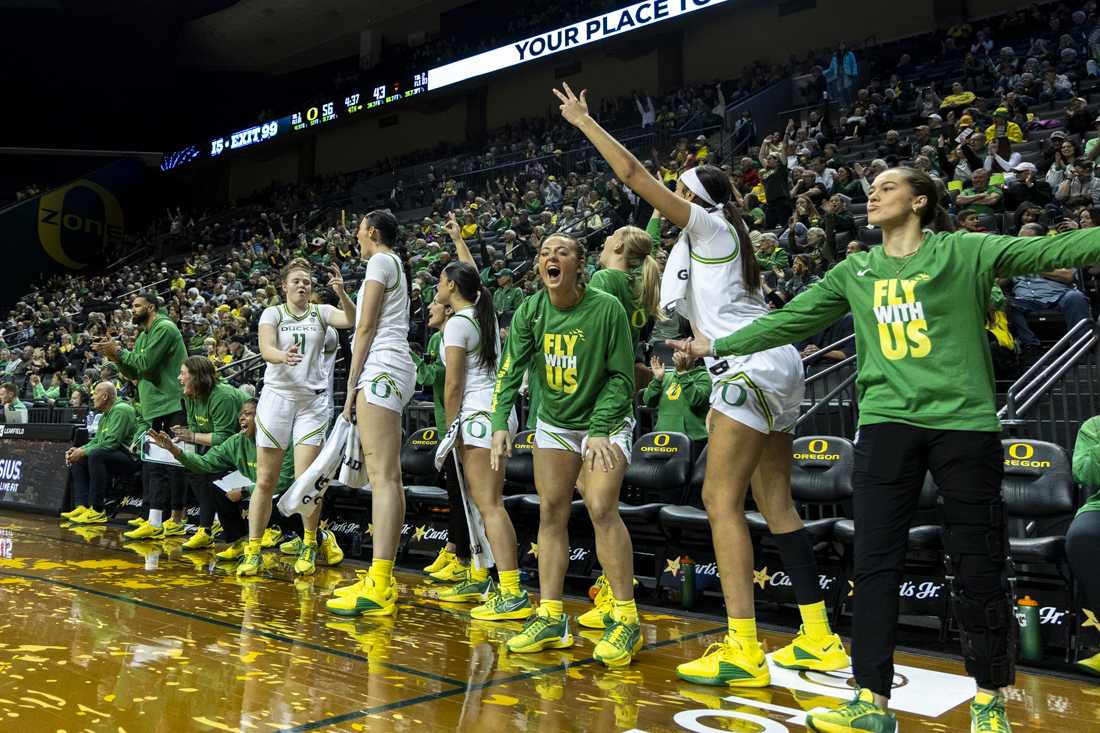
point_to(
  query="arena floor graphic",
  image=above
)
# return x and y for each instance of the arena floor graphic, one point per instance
(97, 635)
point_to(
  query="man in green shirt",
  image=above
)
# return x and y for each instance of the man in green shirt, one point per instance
(15, 412)
(155, 364)
(92, 465)
(981, 196)
(770, 255)
(681, 396)
(235, 453)
(507, 297)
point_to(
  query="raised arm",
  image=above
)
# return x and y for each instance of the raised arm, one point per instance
(461, 249)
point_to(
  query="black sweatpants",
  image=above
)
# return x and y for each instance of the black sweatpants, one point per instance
(213, 501)
(458, 531)
(891, 460)
(165, 486)
(92, 475)
(1082, 549)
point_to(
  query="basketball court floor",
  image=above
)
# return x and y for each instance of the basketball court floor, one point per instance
(100, 636)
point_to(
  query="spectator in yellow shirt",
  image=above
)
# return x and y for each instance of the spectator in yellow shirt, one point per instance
(1003, 127)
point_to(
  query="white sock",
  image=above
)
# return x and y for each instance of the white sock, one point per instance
(155, 517)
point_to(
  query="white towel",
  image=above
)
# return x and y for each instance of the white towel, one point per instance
(674, 281)
(480, 552)
(353, 472)
(308, 490)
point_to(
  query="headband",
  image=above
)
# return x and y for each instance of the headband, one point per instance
(690, 178)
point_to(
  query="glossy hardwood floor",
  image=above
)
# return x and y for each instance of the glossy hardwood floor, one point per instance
(96, 635)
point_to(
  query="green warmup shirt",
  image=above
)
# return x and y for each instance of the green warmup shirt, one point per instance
(1086, 462)
(682, 400)
(587, 382)
(155, 363)
(621, 285)
(217, 414)
(237, 453)
(919, 322)
(115, 428)
(507, 300)
(534, 396)
(137, 435)
(431, 373)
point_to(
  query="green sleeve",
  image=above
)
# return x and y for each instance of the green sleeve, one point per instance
(159, 342)
(1011, 256)
(39, 392)
(224, 414)
(651, 395)
(780, 258)
(217, 459)
(653, 229)
(54, 392)
(126, 371)
(1086, 454)
(427, 372)
(518, 348)
(696, 386)
(811, 311)
(614, 400)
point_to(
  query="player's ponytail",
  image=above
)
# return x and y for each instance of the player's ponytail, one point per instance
(637, 248)
(718, 187)
(467, 282)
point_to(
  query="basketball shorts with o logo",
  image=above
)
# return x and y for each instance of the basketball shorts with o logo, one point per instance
(762, 391)
(477, 427)
(285, 419)
(388, 383)
(575, 441)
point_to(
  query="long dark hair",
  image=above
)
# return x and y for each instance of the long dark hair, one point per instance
(718, 187)
(932, 216)
(203, 376)
(468, 283)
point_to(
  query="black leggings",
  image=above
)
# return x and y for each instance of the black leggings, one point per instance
(92, 475)
(458, 531)
(213, 500)
(165, 487)
(891, 460)
(1082, 549)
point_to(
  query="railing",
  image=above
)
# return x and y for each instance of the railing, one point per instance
(836, 411)
(1057, 393)
(57, 414)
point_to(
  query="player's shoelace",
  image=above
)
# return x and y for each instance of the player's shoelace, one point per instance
(619, 635)
(991, 716)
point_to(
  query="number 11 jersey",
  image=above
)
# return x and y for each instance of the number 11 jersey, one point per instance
(308, 332)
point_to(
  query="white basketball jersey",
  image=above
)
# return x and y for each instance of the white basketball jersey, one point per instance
(462, 331)
(392, 331)
(307, 331)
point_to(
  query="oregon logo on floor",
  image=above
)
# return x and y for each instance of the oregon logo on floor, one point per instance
(817, 450)
(660, 445)
(1021, 455)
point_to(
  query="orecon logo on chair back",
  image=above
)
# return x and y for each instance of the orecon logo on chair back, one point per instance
(821, 468)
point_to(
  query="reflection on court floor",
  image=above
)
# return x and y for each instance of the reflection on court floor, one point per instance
(101, 636)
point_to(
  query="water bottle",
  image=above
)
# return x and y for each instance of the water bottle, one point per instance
(687, 584)
(1031, 640)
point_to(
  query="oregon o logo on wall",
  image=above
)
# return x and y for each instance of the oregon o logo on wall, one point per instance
(1021, 454)
(76, 221)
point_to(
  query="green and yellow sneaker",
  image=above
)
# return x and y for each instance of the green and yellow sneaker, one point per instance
(306, 564)
(235, 551)
(542, 631)
(619, 644)
(329, 551)
(75, 512)
(137, 521)
(599, 616)
(820, 655)
(172, 528)
(198, 541)
(468, 590)
(858, 715)
(271, 537)
(291, 547)
(91, 516)
(1089, 665)
(728, 662)
(367, 600)
(441, 560)
(453, 572)
(504, 607)
(987, 714)
(250, 565)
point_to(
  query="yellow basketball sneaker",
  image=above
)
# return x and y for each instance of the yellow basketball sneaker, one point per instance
(172, 528)
(453, 572)
(234, 552)
(987, 714)
(250, 565)
(619, 644)
(368, 600)
(858, 715)
(137, 521)
(329, 551)
(468, 590)
(825, 654)
(728, 662)
(502, 606)
(1089, 665)
(75, 512)
(599, 616)
(441, 560)
(272, 536)
(542, 631)
(144, 532)
(91, 516)
(199, 541)
(291, 547)
(353, 588)
(306, 564)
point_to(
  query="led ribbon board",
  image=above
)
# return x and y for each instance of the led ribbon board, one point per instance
(616, 22)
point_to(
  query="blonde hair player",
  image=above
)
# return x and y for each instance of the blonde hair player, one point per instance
(381, 380)
(294, 409)
(754, 404)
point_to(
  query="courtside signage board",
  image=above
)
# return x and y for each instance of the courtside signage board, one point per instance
(614, 23)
